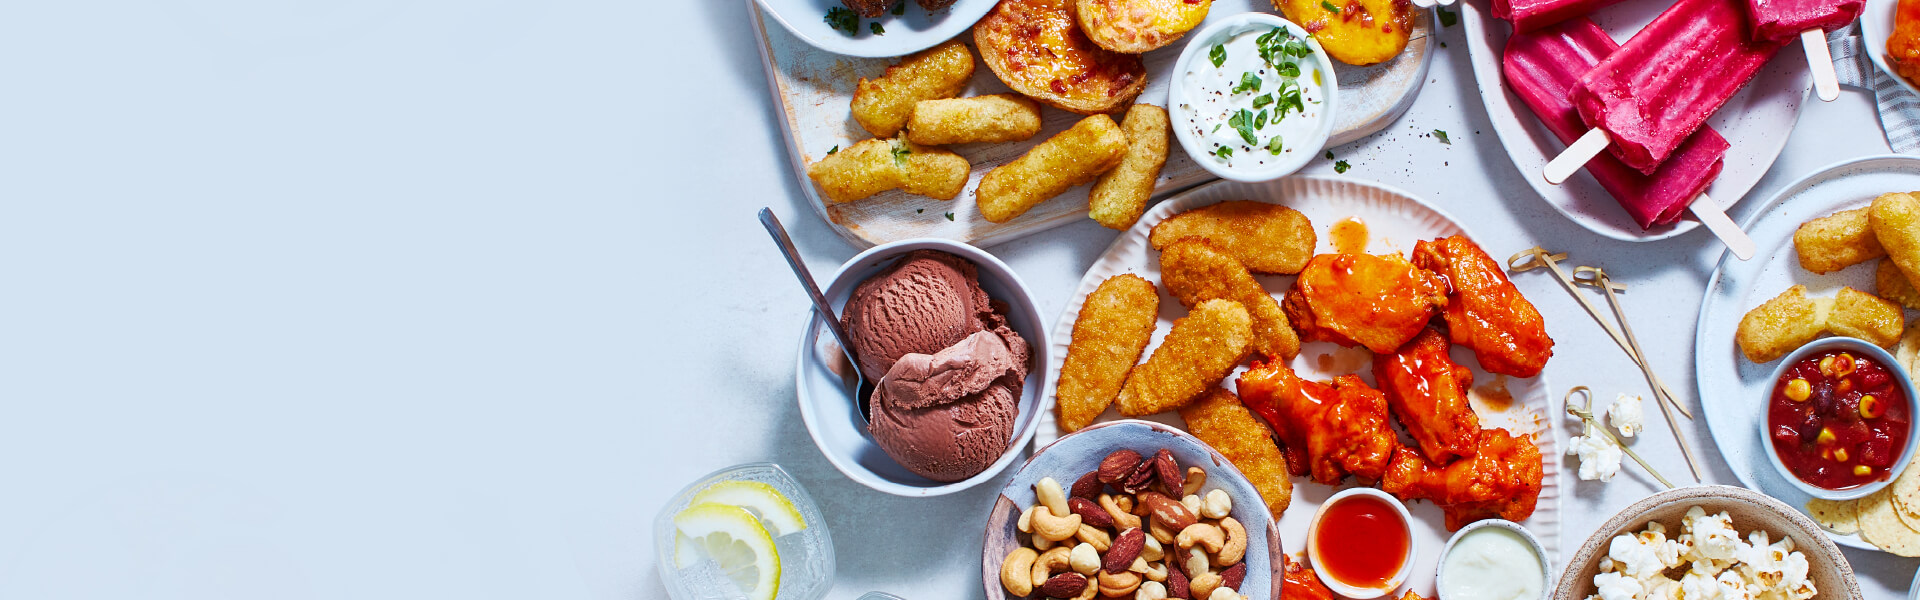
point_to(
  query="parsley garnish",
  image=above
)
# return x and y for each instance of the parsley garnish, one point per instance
(900, 8)
(835, 148)
(1218, 55)
(1329, 155)
(900, 152)
(1262, 100)
(1248, 83)
(1224, 152)
(919, 210)
(1273, 145)
(1329, 6)
(1447, 17)
(1443, 137)
(949, 216)
(1341, 166)
(844, 20)
(877, 29)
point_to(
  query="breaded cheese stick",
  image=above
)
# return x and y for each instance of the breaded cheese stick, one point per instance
(1112, 329)
(1890, 283)
(935, 172)
(1201, 350)
(1120, 195)
(1781, 325)
(1896, 223)
(882, 106)
(995, 118)
(858, 171)
(1067, 159)
(1862, 315)
(1195, 271)
(1836, 241)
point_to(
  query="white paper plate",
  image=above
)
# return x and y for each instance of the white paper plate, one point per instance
(1732, 388)
(1395, 220)
(1756, 122)
(912, 31)
(1876, 23)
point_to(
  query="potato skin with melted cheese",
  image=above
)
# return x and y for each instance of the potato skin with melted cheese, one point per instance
(1136, 26)
(1037, 48)
(1359, 32)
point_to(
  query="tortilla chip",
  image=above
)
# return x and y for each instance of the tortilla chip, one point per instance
(1880, 525)
(1838, 516)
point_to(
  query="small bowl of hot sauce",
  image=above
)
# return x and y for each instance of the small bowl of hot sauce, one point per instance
(1361, 543)
(1839, 418)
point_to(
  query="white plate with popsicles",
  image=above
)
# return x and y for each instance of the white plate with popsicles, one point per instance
(1755, 122)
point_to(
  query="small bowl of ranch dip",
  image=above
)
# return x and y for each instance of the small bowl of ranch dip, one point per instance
(1493, 560)
(1253, 97)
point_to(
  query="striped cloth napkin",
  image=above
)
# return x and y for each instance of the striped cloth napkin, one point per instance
(1899, 109)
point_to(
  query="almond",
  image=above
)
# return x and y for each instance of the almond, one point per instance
(1064, 585)
(1090, 513)
(1170, 476)
(1088, 486)
(1118, 465)
(1170, 512)
(1177, 582)
(1125, 548)
(1232, 577)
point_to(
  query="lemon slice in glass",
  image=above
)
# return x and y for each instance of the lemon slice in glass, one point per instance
(735, 541)
(773, 508)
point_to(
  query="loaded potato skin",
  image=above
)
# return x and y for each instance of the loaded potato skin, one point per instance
(1037, 48)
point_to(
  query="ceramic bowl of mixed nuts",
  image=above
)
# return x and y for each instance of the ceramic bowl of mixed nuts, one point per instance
(1130, 510)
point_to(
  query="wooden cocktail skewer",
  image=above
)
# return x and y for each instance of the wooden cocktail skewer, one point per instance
(1592, 424)
(1538, 259)
(1600, 280)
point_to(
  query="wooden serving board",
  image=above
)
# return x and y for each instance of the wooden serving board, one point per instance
(812, 89)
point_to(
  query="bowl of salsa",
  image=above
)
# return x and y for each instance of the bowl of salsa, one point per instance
(1839, 418)
(1361, 543)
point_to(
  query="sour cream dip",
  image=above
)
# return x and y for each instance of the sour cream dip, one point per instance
(1252, 100)
(1491, 562)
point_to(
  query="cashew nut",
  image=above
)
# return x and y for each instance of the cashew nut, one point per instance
(1114, 585)
(1236, 546)
(1152, 550)
(1217, 505)
(1122, 519)
(1050, 494)
(1207, 536)
(1084, 559)
(1087, 591)
(1016, 573)
(1195, 567)
(1042, 544)
(1192, 502)
(1053, 527)
(1057, 559)
(1196, 477)
(1155, 572)
(1096, 536)
(1159, 531)
(1026, 520)
(1202, 586)
(1225, 593)
(1125, 502)
(1152, 590)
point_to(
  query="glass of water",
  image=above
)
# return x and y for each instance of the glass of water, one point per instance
(718, 570)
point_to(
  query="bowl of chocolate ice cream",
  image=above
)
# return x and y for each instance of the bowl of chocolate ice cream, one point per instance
(953, 347)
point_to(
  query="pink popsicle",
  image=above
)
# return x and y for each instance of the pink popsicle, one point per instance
(1533, 15)
(1543, 67)
(1656, 90)
(1783, 20)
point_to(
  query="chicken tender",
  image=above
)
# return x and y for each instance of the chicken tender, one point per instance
(1113, 328)
(873, 166)
(1267, 238)
(1201, 350)
(1781, 325)
(882, 106)
(1221, 421)
(1069, 158)
(1120, 195)
(1836, 241)
(936, 173)
(1862, 315)
(1890, 283)
(1196, 272)
(1896, 223)
(995, 118)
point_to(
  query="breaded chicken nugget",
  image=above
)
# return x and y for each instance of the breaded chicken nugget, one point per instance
(1781, 325)
(1890, 283)
(1221, 421)
(882, 106)
(1267, 238)
(1113, 328)
(858, 171)
(995, 118)
(1896, 223)
(1202, 349)
(1120, 195)
(935, 172)
(1862, 315)
(1195, 271)
(1836, 241)
(1067, 159)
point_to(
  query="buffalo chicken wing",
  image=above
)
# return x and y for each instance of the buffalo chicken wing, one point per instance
(1484, 311)
(1330, 429)
(1363, 300)
(1428, 393)
(1501, 480)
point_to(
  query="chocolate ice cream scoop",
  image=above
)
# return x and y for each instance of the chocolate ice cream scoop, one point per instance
(949, 415)
(927, 301)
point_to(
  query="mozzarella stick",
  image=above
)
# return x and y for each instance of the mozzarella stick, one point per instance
(996, 118)
(935, 173)
(1836, 241)
(1070, 158)
(1782, 325)
(1120, 195)
(858, 171)
(1896, 223)
(1891, 284)
(882, 106)
(1861, 315)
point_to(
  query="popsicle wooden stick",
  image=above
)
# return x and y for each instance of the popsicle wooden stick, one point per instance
(1600, 280)
(1826, 83)
(1709, 214)
(1536, 258)
(1576, 155)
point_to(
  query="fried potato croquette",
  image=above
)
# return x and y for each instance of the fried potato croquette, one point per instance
(882, 106)
(936, 173)
(1221, 421)
(1113, 328)
(1195, 271)
(1862, 315)
(1896, 223)
(1836, 241)
(995, 118)
(873, 166)
(1136, 26)
(1781, 325)
(1201, 350)
(1069, 158)
(1267, 238)
(1037, 48)
(1890, 283)
(1356, 32)
(1120, 195)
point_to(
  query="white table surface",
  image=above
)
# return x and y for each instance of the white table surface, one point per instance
(444, 298)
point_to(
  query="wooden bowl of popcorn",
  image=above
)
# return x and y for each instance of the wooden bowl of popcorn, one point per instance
(1752, 545)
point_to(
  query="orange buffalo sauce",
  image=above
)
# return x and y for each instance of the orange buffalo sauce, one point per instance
(1362, 542)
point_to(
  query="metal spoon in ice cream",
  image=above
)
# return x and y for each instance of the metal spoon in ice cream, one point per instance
(861, 389)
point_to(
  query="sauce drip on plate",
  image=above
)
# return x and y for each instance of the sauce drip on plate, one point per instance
(1349, 236)
(1362, 542)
